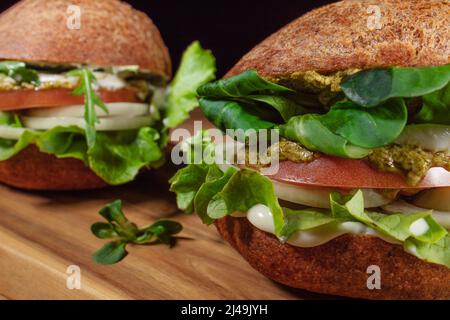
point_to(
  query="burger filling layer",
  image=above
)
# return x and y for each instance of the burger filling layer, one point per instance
(114, 119)
(387, 128)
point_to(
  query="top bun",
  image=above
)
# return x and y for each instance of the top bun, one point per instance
(111, 33)
(342, 36)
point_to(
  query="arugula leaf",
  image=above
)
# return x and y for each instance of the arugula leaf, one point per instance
(91, 100)
(124, 232)
(369, 88)
(19, 72)
(197, 67)
(436, 107)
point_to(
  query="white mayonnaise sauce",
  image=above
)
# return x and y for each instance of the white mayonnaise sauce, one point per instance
(261, 217)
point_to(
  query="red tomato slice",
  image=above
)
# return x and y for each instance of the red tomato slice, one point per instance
(27, 99)
(347, 173)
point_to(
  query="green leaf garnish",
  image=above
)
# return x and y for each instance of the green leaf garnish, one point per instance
(124, 232)
(19, 72)
(91, 100)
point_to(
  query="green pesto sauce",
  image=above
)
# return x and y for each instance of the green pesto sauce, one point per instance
(411, 161)
(326, 87)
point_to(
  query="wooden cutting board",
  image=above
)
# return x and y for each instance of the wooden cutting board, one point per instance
(43, 233)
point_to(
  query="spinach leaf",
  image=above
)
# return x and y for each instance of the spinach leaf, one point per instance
(369, 88)
(310, 131)
(244, 84)
(247, 90)
(225, 114)
(367, 127)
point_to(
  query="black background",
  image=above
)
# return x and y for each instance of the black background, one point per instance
(229, 28)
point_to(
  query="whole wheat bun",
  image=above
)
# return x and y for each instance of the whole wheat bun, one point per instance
(338, 267)
(111, 33)
(33, 170)
(327, 40)
(336, 37)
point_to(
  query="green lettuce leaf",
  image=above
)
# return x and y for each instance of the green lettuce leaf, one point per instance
(9, 148)
(116, 157)
(214, 193)
(197, 68)
(436, 107)
(437, 252)
(186, 184)
(302, 220)
(397, 226)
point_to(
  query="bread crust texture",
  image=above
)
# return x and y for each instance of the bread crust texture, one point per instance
(31, 169)
(340, 266)
(350, 35)
(70, 32)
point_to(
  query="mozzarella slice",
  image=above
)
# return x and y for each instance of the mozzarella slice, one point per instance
(319, 197)
(11, 133)
(430, 137)
(126, 109)
(106, 124)
(437, 198)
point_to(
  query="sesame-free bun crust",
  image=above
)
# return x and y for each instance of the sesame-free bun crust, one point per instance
(338, 267)
(33, 170)
(336, 37)
(112, 33)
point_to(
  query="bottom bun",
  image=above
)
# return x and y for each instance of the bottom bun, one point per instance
(34, 170)
(338, 267)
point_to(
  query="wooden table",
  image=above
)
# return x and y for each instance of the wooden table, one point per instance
(42, 233)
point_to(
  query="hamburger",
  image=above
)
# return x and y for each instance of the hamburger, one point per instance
(363, 184)
(85, 93)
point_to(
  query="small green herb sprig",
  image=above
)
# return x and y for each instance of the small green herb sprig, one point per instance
(91, 99)
(19, 72)
(123, 232)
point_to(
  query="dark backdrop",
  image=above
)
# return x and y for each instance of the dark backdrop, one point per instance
(228, 27)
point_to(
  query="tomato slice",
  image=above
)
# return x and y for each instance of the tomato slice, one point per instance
(348, 173)
(27, 99)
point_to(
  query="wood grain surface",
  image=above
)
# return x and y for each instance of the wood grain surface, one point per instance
(42, 233)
